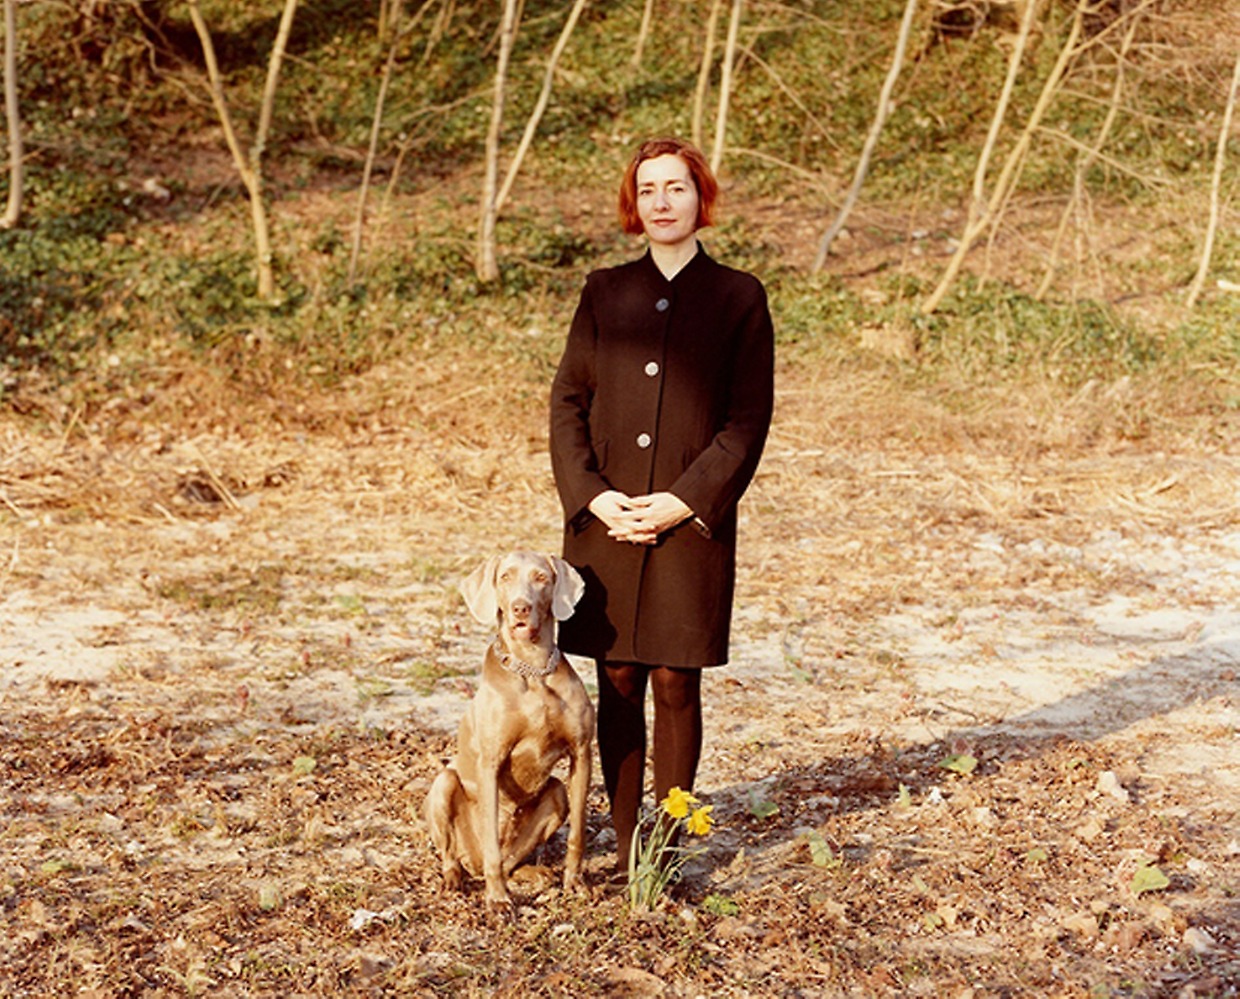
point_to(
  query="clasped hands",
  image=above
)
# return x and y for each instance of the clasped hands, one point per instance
(639, 520)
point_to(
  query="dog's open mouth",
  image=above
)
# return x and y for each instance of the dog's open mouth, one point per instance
(524, 630)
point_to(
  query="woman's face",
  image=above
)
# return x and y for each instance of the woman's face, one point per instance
(667, 199)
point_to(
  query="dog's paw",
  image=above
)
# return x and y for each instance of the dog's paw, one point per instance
(454, 878)
(574, 883)
(499, 901)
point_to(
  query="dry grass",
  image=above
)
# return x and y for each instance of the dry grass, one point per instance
(224, 803)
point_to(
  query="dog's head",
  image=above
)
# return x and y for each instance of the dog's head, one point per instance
(520, 590)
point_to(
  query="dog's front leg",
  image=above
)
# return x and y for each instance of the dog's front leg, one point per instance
(497, 895)
(578, 789)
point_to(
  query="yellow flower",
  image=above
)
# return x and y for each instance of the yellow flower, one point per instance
(677, 803)
(700, 821)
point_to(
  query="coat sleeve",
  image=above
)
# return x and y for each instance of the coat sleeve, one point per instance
(573, 461)
(714, 481)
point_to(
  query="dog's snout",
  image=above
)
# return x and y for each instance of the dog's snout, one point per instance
(521, 609)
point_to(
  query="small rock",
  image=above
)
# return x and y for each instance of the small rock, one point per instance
(1165, 918)
(1090, 830)
(1109, 784)
(1199, 941)
(362, 918)
(1081, 924)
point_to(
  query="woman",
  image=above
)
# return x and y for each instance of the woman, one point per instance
(659, 411)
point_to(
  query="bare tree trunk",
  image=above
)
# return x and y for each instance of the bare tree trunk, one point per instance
(486, 266)
(1087, 158)
(443, 20)
(871, 140)
(643, 32)
(703, 80)
(249, 166)
(979, 176)
(376, 125)
(982, 212)
(725, 87)
(1220, 155)
(544, 97)
(12, 114)
(273, 76)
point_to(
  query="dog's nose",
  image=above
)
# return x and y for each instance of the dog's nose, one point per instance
(521, 609)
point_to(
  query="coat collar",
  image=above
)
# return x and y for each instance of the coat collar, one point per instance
(700, 260)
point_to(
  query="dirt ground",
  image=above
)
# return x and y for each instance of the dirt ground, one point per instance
(232, 660)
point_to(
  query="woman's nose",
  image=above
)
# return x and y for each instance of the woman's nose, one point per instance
(660, 198)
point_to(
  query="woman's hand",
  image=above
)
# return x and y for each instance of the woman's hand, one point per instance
(612, 508)
(639, 520)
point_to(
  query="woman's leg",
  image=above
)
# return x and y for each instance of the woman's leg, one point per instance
(622, 746)
(677, 728)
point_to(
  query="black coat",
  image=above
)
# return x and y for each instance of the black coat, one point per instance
(663, 386)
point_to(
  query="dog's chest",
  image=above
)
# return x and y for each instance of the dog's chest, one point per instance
(545, 740)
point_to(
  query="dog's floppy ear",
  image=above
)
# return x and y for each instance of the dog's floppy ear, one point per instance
(478, 589)
(569, 586)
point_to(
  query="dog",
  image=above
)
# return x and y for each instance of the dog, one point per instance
(498, 800)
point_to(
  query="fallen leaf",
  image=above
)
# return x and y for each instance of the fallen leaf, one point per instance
(961, 763)
(761, 808)
(820, 851)
(1148, 878)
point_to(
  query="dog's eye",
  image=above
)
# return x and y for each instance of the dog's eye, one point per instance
(539, 577)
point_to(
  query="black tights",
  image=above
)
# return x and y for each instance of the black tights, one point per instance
(622, 737)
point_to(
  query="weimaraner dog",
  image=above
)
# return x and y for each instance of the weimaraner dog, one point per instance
(497, 800)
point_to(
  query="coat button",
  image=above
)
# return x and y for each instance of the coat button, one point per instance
(662, 305)
(652, 368)
(643, 441)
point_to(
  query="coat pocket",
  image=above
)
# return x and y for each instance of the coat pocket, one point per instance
(600, 454)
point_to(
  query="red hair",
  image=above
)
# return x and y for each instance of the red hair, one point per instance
(699, 171)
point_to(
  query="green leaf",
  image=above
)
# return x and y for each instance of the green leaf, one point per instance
(720, 905)
(905, 798)
(820, 851)
(761, 808)
(1149, 878)
(1037, 856)
(303, 766)
(961, 763)
(373, 687)
(799, 674)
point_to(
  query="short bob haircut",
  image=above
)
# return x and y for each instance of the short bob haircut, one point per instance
(699, 170)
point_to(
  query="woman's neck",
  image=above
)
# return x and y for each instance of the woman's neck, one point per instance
(671, 259)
